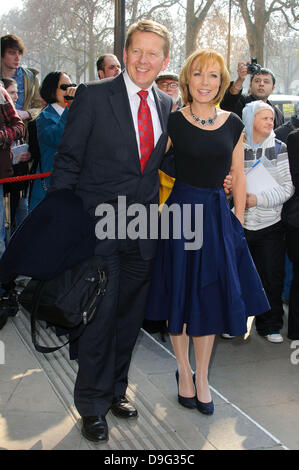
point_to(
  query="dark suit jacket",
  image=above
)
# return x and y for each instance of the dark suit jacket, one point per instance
(98, 155)
(290, 211)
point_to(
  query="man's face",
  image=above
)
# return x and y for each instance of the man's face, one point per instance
(11, 58)
(262, 86)
(169, 86)
(111, 67)
(263, 123)
(145, 58)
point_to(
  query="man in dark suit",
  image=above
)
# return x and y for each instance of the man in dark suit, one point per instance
(100, 158)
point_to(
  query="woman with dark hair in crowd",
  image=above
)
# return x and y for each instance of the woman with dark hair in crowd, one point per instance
(57, 91)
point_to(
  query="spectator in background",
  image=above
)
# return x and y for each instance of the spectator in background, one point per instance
(264, 230)
(108, 66)
(28, 104)
(11, 129)
(282, 133)
(262, 84)
(290, 216)
(169, 83)
(11, 87)
(58, 91)
(18, 191)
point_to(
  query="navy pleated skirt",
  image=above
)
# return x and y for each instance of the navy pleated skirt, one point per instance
(214, 288)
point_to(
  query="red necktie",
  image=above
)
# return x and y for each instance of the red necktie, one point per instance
(145, 129)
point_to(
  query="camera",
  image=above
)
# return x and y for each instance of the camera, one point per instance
(253, 67)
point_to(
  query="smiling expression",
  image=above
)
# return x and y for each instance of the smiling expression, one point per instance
(144, 58)
(204, 82)
(263, 124)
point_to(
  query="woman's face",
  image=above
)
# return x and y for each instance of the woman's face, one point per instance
(12, 90)
(263, 123)
(60, 94)
(204, 82)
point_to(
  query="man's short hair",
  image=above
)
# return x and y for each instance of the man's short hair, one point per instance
(11, 41)
(49, 87)
(149, 26)
(101, 60)
(263, 71)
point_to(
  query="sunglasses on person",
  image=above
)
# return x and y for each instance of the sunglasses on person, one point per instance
(65, 86)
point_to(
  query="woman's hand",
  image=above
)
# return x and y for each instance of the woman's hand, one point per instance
(71, 91)
(24, 157)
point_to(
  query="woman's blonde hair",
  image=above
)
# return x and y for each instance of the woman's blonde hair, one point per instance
(203, 57)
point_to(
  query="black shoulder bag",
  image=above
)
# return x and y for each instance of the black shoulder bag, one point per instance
(68, 301)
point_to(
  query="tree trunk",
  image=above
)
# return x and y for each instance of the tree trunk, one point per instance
(255, 31)
(91, 53)
(194, 22)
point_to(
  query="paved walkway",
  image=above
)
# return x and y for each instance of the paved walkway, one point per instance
(255, 389)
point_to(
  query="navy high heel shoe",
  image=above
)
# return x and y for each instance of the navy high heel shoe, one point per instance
(185, 401)
(205, 408)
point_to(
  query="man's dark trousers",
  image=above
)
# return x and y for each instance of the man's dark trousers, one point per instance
(292, 240)
(106, 346)
(267, 248)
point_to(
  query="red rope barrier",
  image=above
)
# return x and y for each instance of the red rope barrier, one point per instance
(14, 179)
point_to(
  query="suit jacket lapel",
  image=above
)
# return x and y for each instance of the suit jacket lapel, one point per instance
(161, 109)
(122, 111)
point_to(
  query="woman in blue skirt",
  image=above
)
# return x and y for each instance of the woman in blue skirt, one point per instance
(207, 284)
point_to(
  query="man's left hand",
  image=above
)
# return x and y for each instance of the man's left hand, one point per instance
(227, 185)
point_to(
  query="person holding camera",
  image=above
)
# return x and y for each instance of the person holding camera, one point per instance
(58, 92)
(262, 84)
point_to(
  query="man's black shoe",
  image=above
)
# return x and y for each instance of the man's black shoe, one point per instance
(122, 408)
(95, 428)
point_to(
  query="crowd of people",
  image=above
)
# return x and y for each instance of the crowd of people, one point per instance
(160, 138)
